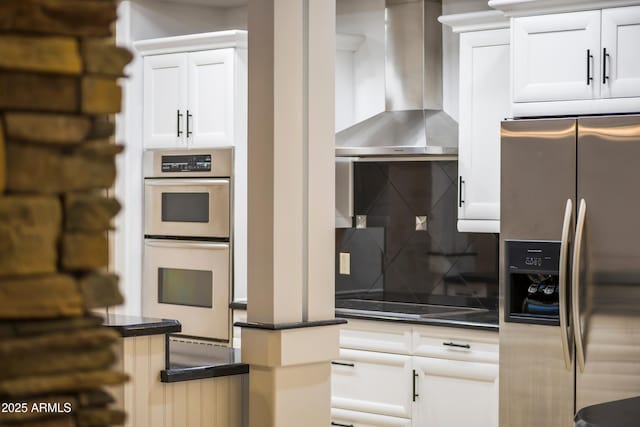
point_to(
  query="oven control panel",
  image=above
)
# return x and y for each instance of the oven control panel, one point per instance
(186, 163)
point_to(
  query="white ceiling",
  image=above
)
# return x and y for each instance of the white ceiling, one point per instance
(213, 3)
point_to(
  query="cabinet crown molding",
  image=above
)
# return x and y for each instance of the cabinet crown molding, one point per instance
(192, 42)
(475, 21)
(541, 7)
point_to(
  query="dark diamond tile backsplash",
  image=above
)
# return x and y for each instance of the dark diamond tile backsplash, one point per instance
(392, 261)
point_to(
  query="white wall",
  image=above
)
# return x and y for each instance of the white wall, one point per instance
(140, 20)
(365, 17)
(153, 19)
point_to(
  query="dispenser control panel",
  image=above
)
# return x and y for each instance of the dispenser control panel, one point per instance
(533, 255)
(532, 285)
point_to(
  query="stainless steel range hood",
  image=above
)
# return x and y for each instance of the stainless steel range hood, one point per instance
(413, 122)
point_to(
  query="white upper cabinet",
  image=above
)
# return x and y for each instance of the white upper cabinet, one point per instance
(484, 102)
(165, 100)
(584, 62)
(621, 52)
(556, 57)
(210, 100)
(194, 90)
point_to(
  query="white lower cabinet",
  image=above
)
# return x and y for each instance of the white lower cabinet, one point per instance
(452, 393)
(448, 377)
(368, 381)
(344, 418)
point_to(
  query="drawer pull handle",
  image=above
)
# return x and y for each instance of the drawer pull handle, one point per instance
(452, 344)
(415, 376)
(343, 364)
(341, 425)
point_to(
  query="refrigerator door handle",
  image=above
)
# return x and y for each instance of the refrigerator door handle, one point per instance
(575, 285)
(565, 332)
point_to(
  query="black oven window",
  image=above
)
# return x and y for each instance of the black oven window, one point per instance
(192, 288)
(185, 207)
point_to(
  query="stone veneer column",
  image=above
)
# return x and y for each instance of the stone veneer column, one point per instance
(291, 334)
(58, 91)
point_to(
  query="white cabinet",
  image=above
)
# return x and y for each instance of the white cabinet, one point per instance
(447, 377)
(556, 57)
(189, 99)
(584, 62)
(194, 90)
(211, 97)
(454, 393)
(373, 382)
(165, 100)
(344, 418)
(484, 103)
(621, 59)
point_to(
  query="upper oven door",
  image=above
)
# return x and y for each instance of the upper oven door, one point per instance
(193, 207)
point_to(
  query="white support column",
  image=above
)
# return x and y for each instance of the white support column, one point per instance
(291, 334)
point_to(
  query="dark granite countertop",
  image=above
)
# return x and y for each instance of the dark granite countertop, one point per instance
(238, 305)
(135, 326)
(185, 360)
(619, 413)
(422, 314)
(194, 361)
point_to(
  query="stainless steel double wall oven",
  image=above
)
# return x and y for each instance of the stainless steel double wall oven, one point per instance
(187, 248)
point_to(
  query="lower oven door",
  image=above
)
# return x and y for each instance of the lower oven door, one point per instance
(197, 207)
(188, 281)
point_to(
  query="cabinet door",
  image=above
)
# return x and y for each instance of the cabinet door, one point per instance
(621, 53)
(556, 57)
(455, 393)
(344, 418)
(484, 103)
(368, 381)
(210, 104)
(165, 97)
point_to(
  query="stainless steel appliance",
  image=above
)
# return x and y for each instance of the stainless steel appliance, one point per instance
(413, 122)
(570, 267)
(187, 249)
(187, 193)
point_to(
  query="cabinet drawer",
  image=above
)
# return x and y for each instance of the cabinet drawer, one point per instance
(376, 336)
(378, 383)
(344, 418)
(456, 344)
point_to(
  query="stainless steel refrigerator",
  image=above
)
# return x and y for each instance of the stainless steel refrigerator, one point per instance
(570, 267)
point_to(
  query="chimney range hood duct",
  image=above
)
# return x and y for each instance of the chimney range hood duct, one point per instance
(413, 122)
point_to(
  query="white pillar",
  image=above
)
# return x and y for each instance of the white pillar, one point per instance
(291, 334)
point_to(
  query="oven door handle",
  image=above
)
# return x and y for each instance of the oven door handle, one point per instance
(191, 181)
(184, 245)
